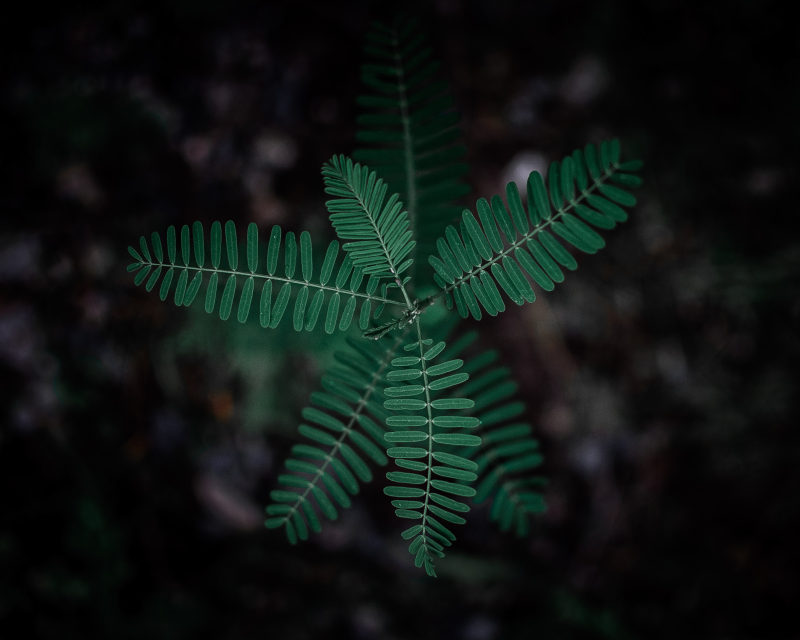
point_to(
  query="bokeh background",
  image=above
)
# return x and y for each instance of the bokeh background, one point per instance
(139, 442)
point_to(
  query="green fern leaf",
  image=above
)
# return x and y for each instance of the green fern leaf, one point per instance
(377, 228)
(408, 130)
(343, 427)
(505, 250)
(508, 457)
(430, 473)
(185, 277)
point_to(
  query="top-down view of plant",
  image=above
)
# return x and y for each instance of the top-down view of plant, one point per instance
(446, 423)
(443, 320)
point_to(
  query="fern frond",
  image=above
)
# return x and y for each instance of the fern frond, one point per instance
(191, 261)
(378, 228)
(508, 455)
(429, 430)
(408, 130)
(344, 425)
(508, 245)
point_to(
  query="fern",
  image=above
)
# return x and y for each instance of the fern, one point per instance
(426, 432)
(453, 425)
(345, 419)
(504, 247)
(186, 256)
(408, 130)
(508, 453)
(361, 213)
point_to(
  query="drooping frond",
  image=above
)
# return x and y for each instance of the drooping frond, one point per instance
(377, 228)
(408, 131)
(332, 294)
(508, 456)
(508, 245)
(428, 433)
(344, 425)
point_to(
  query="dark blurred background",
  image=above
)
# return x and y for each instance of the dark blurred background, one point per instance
(139, 442)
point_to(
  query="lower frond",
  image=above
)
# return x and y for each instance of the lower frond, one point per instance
(508, 457)
(428, 432)
(344, 427)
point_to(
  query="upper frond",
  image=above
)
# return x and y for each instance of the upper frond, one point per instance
(509, 245)
(378, 229)
(429, 431)
(345, 428)
(332, 294)
(408, 130)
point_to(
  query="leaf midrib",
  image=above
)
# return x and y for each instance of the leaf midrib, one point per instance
(266, 276)
(424, 369)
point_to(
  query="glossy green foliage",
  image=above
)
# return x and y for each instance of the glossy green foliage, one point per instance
(344, 429)
(429, 430)
(507, 248)
(376, 228)
(276, 278)
(408, 129)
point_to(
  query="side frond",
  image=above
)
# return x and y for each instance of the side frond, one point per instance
(334, 293)
(344, 429)
(428, 433)
(585, 191)
(378, 229)
(408, 130)
(508, 457)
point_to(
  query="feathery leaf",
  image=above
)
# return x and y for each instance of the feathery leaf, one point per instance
(345, 435)
(377, 228)
(508, 457)
(276, 288)
(418, 416)
(504, 250)
(408, 130)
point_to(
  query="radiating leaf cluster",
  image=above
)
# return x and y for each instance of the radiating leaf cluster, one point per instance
(377, 229)
(408, 131)
(429, 430)
(272, 278)
(506, 248)
(456, 428)
(344, 429)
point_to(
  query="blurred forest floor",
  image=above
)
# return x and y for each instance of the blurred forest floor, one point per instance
(139, 442)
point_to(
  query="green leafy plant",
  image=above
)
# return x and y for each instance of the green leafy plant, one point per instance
(407, 389)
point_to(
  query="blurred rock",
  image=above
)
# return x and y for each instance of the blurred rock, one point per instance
(77, 182)
(20, 259)
(585, 82)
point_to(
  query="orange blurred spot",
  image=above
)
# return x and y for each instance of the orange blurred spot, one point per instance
(221, 405)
